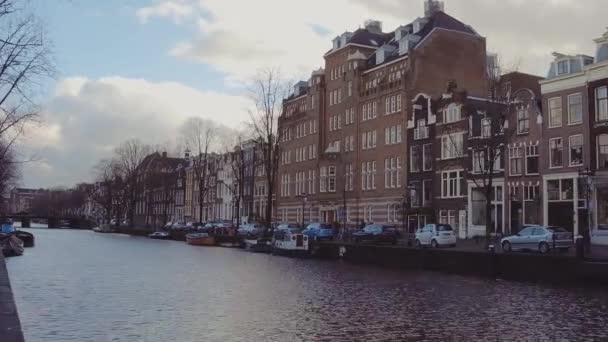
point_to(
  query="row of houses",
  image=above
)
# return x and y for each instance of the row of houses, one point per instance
(418, 125)
(201, 188)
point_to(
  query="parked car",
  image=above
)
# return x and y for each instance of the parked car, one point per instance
(377, 233)
(292, 228)
(319, 232)
(538, 238)
(435, 235)
(250, 229)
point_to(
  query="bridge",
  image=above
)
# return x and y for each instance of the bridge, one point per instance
(53, 221)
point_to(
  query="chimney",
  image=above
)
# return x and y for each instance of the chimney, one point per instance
(374, 26)
(433, 6)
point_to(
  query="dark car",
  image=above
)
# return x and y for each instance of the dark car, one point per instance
(377, 233)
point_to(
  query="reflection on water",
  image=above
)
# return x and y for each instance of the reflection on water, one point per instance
(83, 286)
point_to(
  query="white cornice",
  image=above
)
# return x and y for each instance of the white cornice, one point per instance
(590, 73)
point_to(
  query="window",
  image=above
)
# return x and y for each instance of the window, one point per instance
(451, 114)
(452, 146)
(427, 157)
(523, 121)
(416, 195)
(422, 131)
(601, 107)
(479, 161)
(531, 204)
(451, 184)
(363, 176)
(398, 176)
(350, 88)
(576, 150)
(374, 175)
(331, 186)
(555, 112)
(575, 109)
(349, 175)
(323, 180)
(555, 152)
(486, 128)
(602, 151)
(515, 161)
(392, 170)
(560, 190)
(415, 159)
(563, 67)
(532, 160)
(427, 192)
(448, 217)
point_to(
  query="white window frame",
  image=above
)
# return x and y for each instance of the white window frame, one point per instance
(570, 122)
(445, 184)
(453, 151)
(570, 149)
(453, 113)
(597, 104)
(561, 111)
(532, 151)
(424, 147)
(551, 154)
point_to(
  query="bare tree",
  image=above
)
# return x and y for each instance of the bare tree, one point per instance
(489, 120)
(236, 167)
(9, 172)
(107, 193)
(202, 137)
(267, 90)
(24, 62)
(129, 157)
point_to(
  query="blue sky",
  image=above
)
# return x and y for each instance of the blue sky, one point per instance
(141, 68)
(102, 38)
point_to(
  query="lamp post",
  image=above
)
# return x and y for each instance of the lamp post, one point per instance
(586, 173)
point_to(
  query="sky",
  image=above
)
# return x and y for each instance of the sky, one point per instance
(140, 68)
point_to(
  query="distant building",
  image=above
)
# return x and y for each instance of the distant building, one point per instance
(21, 199)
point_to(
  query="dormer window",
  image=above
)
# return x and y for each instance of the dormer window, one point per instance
(563, 67)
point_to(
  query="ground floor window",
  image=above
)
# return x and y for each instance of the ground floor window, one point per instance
(448, 217)
(416, 222)
(602, 209)
(478, 209)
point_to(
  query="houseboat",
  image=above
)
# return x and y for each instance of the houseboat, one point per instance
(290, 243)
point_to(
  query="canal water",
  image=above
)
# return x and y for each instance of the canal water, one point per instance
(84, 286)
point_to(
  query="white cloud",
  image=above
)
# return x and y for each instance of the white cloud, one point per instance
(87, 118)
(176, 10)
(279, 33)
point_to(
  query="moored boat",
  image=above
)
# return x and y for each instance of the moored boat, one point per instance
(105, 228)
(290, 244)
(160, 236)
(11, 245)
(258, 245)
(200, 239)
(26, 237)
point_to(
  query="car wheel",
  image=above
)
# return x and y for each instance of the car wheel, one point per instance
(418, 244)
(543, 248)
(506, 247)
(434, 244)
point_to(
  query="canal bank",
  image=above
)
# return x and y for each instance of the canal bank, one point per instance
(10, 326)
(552, 269)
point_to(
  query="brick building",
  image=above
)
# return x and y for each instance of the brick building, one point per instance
(360, 102)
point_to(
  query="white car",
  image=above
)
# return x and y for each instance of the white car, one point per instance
(435, 235)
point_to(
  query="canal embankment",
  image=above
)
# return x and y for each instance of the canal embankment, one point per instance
(528, 267)
(10, 326)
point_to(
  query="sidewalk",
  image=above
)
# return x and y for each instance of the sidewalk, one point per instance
(10, 326)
